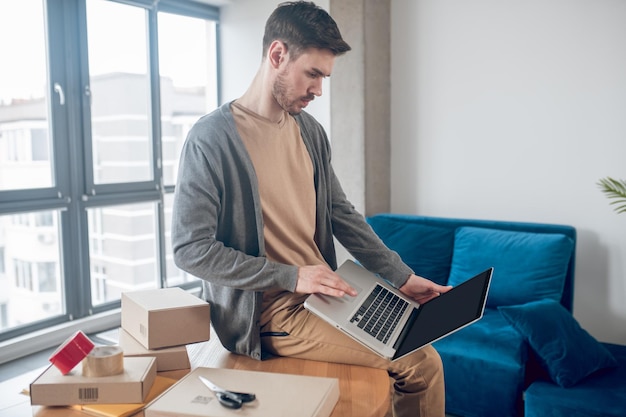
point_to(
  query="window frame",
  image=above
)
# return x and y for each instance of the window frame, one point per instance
(73, 191)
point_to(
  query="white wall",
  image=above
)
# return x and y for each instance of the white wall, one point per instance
(513, 110)
(242, 26)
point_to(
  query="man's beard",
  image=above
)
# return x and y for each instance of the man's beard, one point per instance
(280, 93)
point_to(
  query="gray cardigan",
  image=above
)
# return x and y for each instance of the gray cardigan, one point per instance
(217, 226)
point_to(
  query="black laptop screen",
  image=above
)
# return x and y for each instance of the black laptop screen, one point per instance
(450, 311)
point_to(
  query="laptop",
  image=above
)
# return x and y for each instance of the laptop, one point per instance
(393, 325)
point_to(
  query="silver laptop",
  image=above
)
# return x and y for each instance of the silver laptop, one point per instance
(389, 323)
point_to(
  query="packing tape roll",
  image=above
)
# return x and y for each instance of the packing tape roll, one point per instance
(72, 351)
(104, 361)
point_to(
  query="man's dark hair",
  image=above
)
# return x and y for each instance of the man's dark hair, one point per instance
(301, 25)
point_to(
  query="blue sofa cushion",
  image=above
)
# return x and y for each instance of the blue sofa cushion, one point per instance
(427, 250)
(484, 367)
(566, 350)
(601, 395)
(527, 266)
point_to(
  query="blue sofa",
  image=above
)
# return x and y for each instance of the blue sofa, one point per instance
(602, 394)
(527, 334)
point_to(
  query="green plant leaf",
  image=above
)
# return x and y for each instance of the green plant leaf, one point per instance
(616, 191)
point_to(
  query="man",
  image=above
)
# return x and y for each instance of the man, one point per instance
(257, 205)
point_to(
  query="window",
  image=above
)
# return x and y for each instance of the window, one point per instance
(119, 93)
(187, 88)
(96, 100)
(23, 97)
(23, 275)
(124, 251)
(47, 276)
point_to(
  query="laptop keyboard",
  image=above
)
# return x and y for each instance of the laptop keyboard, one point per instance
(380, 312)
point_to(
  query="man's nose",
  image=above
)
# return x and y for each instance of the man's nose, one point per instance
(317, 87)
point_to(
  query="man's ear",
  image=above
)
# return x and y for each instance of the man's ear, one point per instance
(277, 53)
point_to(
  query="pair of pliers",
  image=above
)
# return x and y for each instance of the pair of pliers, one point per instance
(227, 398)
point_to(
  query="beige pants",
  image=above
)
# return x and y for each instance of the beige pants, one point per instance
(418, 387)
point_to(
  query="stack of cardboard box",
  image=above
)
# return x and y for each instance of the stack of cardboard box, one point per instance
(156, 327)
(160, 323)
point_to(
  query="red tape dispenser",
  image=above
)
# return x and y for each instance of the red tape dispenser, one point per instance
(72, 351)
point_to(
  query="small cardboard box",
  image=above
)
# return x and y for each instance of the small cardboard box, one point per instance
(132, 386)
(165, 317)
(276, 395)
(167, 359)
(161, 384)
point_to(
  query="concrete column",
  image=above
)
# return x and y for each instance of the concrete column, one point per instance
(360, 103)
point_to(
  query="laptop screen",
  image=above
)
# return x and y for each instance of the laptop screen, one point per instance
(447, 313)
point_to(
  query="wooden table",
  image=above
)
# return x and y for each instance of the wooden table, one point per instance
(364, 392)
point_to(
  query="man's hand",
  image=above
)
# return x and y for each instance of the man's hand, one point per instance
(422, 290)
(321, 279)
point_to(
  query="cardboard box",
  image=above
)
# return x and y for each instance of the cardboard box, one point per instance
(167, 359)
(160, 385)
(132, 386)
(165, 317)
(276, 395)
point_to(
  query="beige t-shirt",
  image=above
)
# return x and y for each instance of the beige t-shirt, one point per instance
(285, 176)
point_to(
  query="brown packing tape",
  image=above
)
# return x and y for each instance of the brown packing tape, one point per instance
(104, 361)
